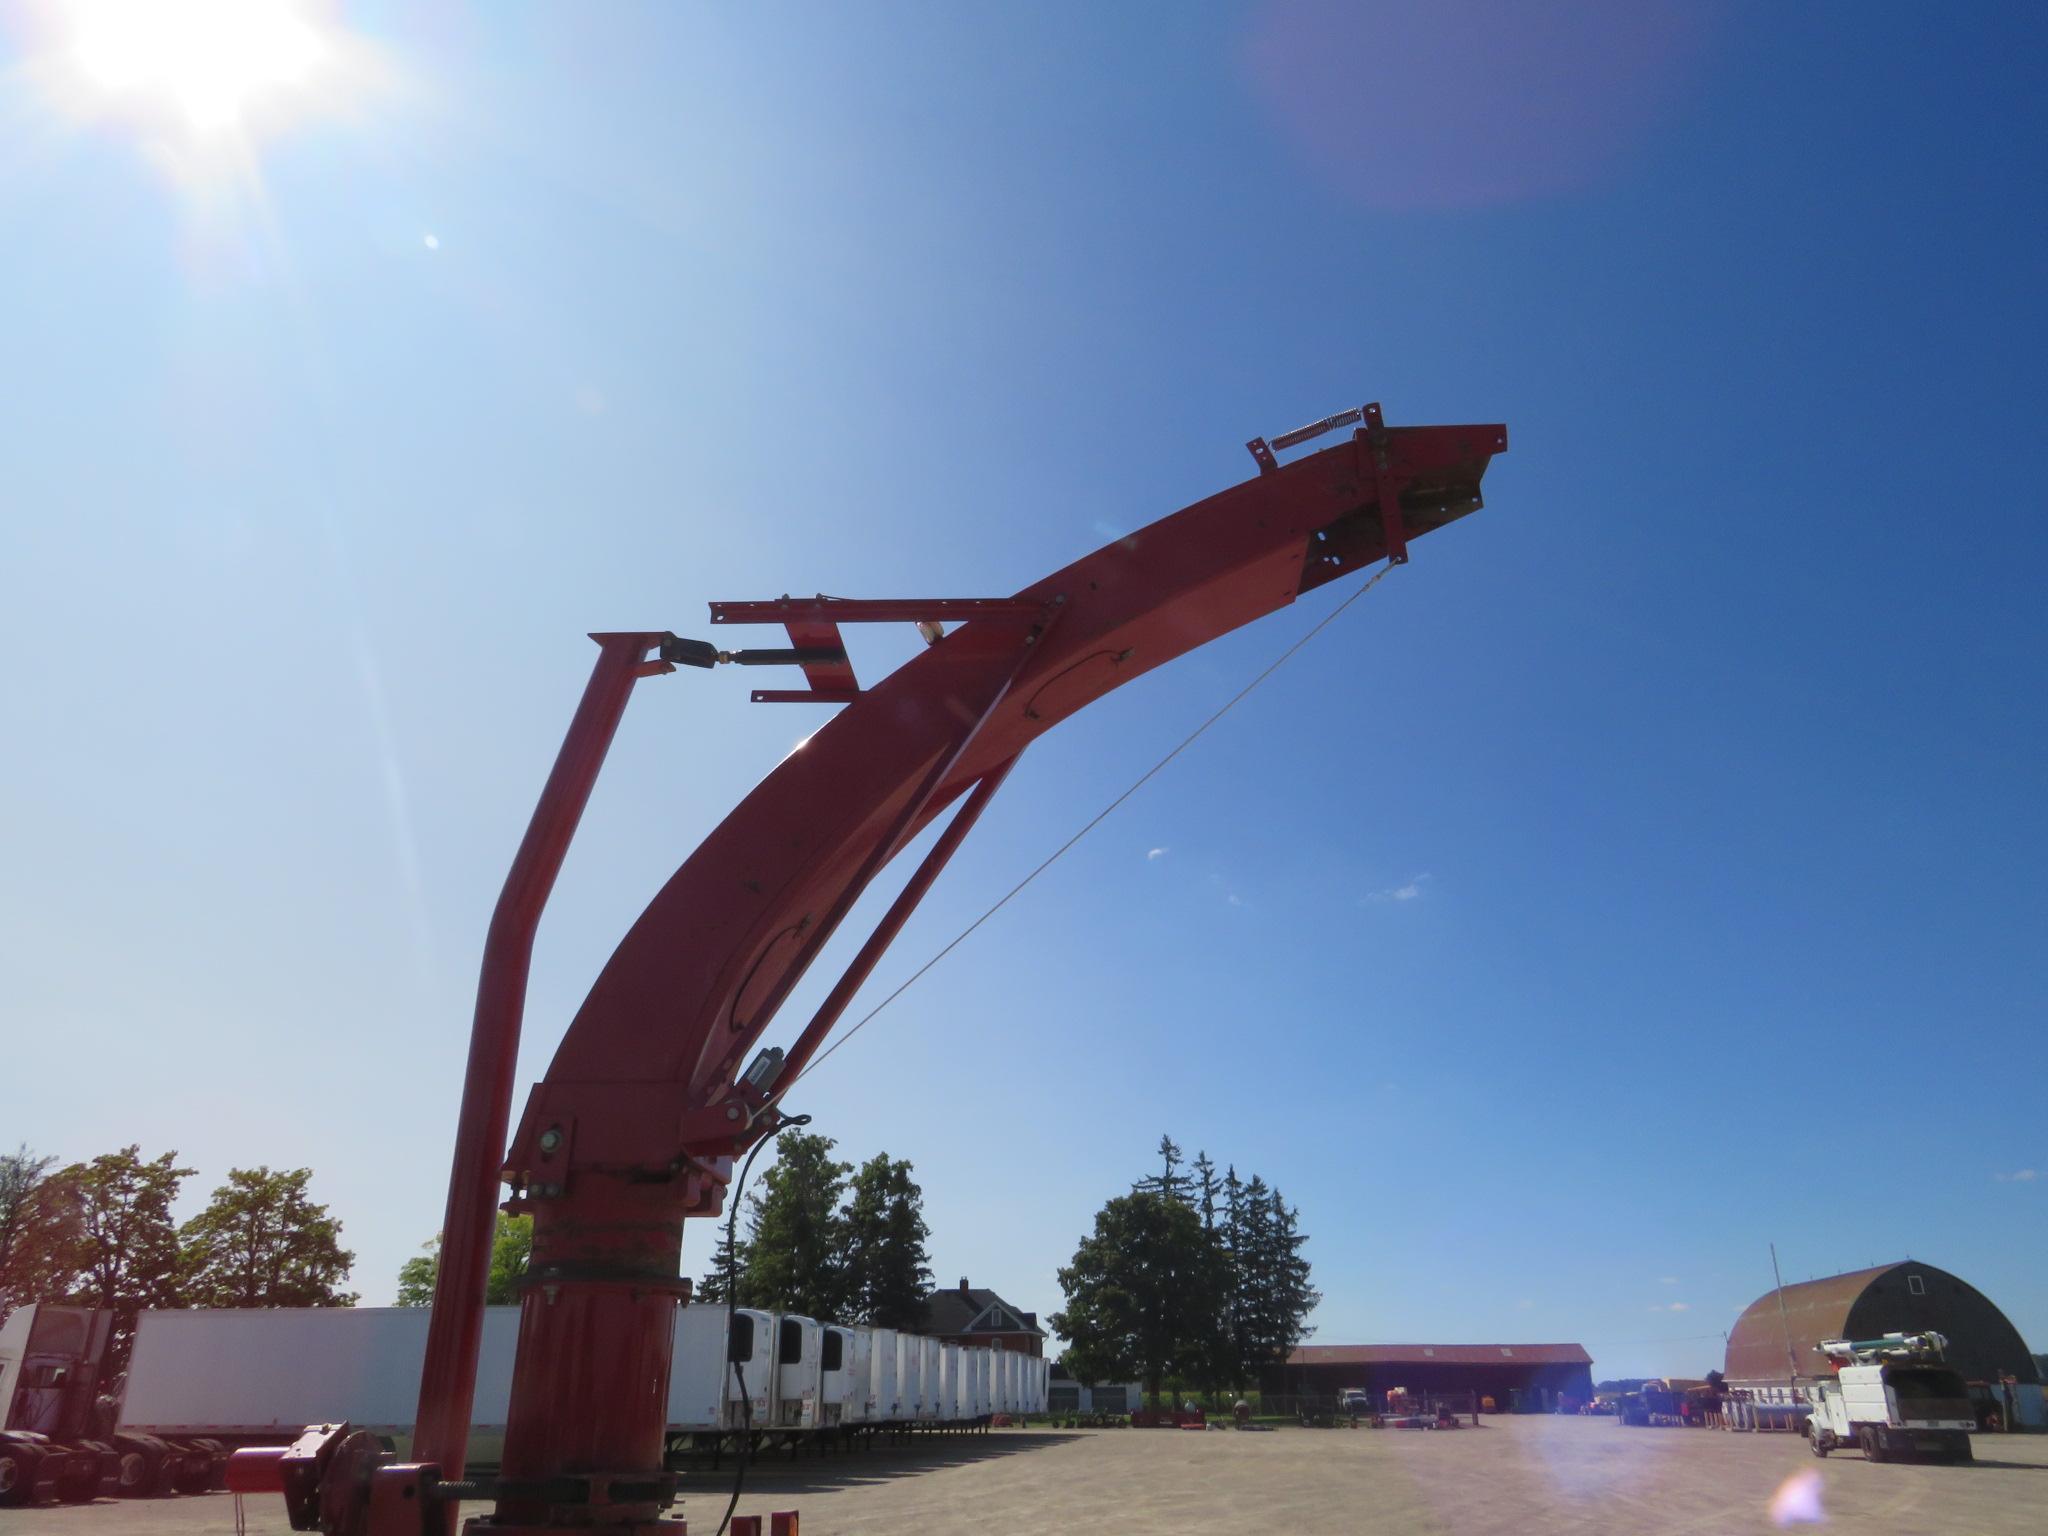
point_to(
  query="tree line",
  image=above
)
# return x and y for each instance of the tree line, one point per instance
(1192, 1277)
(828, 1240)
(100, 1234)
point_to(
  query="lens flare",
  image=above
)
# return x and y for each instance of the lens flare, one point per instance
(1797, 1501)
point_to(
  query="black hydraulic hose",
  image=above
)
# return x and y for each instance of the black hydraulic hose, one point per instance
(732, 1227)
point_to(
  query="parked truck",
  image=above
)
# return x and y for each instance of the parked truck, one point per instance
(59, 1433)
(1892, 1396)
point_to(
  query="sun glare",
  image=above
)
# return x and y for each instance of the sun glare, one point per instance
(208, 60)
(200, 82)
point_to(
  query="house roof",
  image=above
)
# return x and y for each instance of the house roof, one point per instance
(1440, 1354)
(975, 1309)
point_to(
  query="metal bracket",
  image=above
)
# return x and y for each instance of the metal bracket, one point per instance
(1386, 488)
(818, 647)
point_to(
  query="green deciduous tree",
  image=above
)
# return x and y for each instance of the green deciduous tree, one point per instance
(795, 1232)
(40, 1242)
(1145, 1293)
(126, 1254)
(261, 1242)
(511, 1248)
(886, 1271)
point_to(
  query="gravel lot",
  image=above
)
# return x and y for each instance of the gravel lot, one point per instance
(1531, 1476)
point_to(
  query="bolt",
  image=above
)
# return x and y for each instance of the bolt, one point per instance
(732, 1112)
(550, 1139)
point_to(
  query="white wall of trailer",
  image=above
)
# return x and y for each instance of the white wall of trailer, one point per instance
(933, 1390)
(244, 1371)
(268, 1372)
(882, 1357)
(914, 1400)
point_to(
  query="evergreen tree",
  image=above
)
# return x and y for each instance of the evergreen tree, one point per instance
(795, 1232)
(1232, 1341)
(1291, 1296)
(1206, 1187)
(723, 1280)
(261, 1242)
(1171, 1182)
(1251, 1246)
(1273, 1293)
(887, 1270)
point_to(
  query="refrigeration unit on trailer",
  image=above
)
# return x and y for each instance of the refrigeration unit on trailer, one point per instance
(749, 1396)
(842, 1376)
(801, 1344)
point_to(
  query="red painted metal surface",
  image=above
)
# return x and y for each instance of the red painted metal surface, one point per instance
(256, 1469)
(634, 1128)
(455, 1331)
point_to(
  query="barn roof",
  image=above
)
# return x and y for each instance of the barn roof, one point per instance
(1907, 1297)
(1814, 1310)
(1439, 1354)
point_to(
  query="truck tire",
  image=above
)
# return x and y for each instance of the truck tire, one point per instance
(80, 1480)
(1873, 1443)
(1962, 1450)
(192, 1473)
(17, 1475)
(144, 1476)
(1822, 1442)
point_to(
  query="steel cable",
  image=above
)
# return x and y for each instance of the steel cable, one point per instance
(1093, 822)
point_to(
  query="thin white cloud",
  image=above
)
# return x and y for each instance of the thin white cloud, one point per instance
(1670, 1306)
(1234, 899)
(1158, 853)
(2019, 1176)
(1408, 892)
(1524, 1304)
(1667, 1279)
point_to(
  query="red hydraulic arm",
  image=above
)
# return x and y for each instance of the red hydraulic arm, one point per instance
(656, 1087)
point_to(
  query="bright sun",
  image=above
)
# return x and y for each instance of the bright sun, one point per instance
(209, 61)
(200, 81)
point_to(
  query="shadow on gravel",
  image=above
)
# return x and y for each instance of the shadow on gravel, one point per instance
(772, 1473)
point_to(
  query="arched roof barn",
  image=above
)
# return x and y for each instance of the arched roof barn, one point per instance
(1769, 1345)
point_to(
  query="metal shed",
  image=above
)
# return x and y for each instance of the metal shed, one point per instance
(1531, 1376)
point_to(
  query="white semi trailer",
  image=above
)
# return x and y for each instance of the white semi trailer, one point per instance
(201, 1381)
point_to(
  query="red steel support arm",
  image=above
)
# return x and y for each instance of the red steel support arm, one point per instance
(455, 1329)
(633, 1128)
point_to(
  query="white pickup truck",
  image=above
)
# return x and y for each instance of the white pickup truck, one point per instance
(1891, 1397)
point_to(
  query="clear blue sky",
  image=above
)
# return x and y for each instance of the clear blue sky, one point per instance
(1650, 871)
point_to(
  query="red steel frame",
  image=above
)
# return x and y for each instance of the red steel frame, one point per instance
(643, 1110)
